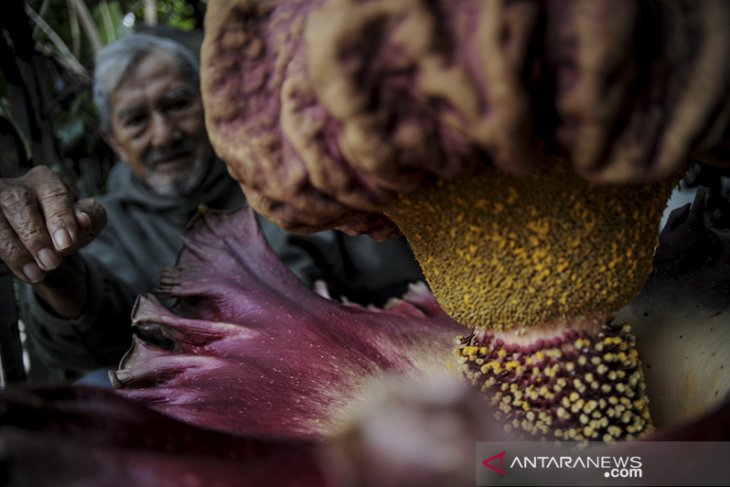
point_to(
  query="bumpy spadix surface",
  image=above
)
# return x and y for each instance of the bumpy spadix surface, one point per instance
(574, 386)
(542, 256)
(257, 352)
(504, 252)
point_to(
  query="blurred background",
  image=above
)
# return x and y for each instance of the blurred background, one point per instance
(47, 51)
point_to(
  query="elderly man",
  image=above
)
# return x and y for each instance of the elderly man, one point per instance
(83, 276)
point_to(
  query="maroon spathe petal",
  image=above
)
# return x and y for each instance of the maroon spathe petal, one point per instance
(256, 352)
(86, 436)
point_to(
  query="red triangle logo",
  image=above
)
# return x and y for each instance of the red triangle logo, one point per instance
(488, 462)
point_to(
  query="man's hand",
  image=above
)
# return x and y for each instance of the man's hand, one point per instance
(42, 222)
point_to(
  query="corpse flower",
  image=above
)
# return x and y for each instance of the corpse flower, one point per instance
(256, 352)
(276, 417)
(359, 114)
(474, 128)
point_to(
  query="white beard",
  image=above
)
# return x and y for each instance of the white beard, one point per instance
(178, 184)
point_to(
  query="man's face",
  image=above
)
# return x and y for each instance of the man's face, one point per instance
(158, 127)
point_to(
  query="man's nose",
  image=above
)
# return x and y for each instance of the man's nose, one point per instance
(163, 130)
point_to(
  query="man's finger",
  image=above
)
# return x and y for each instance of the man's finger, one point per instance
(15, 256)
(91, 218)
(56, 199)
(24, 217)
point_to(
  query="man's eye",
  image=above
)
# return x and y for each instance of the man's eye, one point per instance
(135, 121)
(179, 103)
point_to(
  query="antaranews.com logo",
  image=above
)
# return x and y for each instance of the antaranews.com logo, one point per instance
(610, 466)
(664, 463)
